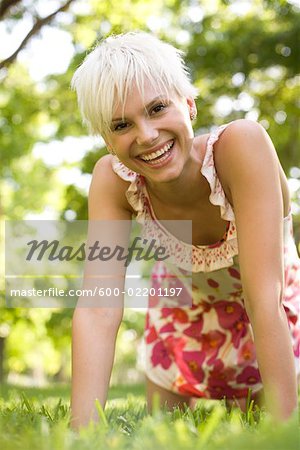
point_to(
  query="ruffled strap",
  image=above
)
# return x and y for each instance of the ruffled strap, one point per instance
(208, 169)
(123, 171)
(134, 193)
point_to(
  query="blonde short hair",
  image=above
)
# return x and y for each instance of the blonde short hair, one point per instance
(104, 78)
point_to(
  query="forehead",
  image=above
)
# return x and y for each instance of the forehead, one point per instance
(138, 98)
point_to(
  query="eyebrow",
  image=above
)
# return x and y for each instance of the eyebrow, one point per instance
(159, 97)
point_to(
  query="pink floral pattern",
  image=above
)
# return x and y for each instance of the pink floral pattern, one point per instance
(206, 349)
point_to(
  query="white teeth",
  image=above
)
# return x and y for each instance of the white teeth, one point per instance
(157, 153)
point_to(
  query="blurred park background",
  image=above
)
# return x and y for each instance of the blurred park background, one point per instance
(244, 57)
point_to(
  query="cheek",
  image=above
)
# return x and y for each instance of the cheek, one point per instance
(123, 148)
(185, 129)
(182, 119)
(108, 141)
(116, 142)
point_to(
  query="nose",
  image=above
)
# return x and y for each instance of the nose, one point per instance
(146, 133)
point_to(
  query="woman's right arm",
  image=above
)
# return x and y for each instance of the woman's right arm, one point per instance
(95, 326)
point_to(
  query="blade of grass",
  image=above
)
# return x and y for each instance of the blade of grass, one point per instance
(101, 413)
(206, 429)
(26, 402)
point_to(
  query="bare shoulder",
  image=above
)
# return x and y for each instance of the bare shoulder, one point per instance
(103, 173)
(244, 145)
(245, 138)
(107, 193)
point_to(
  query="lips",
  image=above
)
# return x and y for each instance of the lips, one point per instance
(156, 153)
(161, 160)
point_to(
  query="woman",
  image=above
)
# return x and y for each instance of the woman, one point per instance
(241, 331)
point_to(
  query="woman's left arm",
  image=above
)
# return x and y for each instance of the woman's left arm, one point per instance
(247, 164)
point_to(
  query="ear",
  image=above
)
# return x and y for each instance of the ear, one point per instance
(191, 105)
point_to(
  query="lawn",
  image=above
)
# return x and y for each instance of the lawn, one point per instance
(38, 418)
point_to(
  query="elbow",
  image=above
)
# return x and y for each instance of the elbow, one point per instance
(106, 319)
(264, 303)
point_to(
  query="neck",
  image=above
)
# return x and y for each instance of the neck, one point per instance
(187, 190)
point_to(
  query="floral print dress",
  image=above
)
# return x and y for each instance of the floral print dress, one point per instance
(207, 349)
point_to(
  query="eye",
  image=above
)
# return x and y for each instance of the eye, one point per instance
(120, 126)
(158, 108)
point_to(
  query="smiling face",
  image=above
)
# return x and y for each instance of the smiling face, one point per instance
(153, 135)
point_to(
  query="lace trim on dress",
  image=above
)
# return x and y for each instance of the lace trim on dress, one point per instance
(202, 258)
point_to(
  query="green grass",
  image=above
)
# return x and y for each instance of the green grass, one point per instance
(32, 418)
